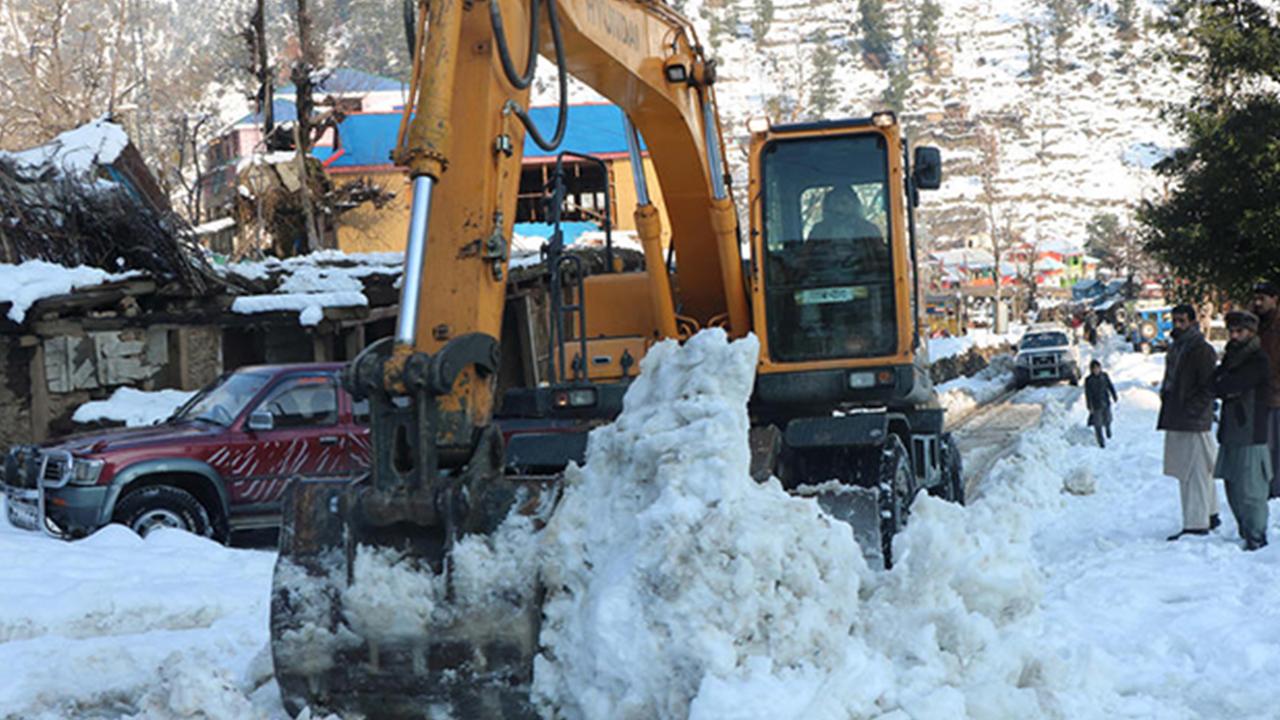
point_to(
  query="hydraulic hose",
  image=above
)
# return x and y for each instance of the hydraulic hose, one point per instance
(410, 23)
(522, 81)
(519, 81)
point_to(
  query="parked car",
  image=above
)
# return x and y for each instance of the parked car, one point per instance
(220, 463)
(1152, 329)
(1046, 353)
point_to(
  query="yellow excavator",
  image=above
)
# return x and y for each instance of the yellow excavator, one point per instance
(842, 410)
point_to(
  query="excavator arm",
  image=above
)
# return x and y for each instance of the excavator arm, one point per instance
(437, 473)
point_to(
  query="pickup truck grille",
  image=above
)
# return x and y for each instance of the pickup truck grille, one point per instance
(1044, 360)
(55, 469)
(23, 464)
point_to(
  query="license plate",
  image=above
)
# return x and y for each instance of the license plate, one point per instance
(823, 296)
(1046, 373)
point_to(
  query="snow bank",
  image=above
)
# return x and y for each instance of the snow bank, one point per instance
(680, 588)
(78, 151)
(26, 284)
(965, 394)
(133, 407)
(169, 627)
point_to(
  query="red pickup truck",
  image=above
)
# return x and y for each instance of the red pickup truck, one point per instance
(219, 464)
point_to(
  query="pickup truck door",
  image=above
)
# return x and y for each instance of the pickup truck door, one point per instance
(306, 438)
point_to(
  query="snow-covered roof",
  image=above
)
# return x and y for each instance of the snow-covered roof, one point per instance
(26, 284)
(75, 152)
(310, 283)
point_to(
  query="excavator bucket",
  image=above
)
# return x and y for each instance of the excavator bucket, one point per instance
(410, 592)
(859, 508)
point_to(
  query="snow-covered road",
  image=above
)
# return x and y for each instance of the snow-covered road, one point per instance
(1031, 602)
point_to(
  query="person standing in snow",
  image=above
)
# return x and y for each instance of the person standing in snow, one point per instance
(1099, 393)
(1266, 299)
(1243, 381)
(1186, 416)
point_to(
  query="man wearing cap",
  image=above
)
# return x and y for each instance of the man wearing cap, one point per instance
(1266, 298)
(1186, 416)
(1243, 381)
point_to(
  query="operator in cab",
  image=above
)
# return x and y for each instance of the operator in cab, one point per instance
(844, 223)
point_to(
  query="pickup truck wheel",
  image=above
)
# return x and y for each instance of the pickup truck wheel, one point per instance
(157, 506)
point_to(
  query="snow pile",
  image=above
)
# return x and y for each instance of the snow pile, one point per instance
(170, 627)
(965, 394)
(945, 347)
(132, 407)
(26, 284)
(669, 568)
(678, 587)
(77, 151)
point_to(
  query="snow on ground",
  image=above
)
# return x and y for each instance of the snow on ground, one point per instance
(133, 407)
(27, 283)
(113, 626)
(682, 589)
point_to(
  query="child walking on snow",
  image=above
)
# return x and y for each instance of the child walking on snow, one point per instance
(1099, 393)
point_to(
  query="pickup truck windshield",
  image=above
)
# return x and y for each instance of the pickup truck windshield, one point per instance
(222, 401)
(1044, 340)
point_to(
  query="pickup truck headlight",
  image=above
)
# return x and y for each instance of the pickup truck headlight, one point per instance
(86, 472)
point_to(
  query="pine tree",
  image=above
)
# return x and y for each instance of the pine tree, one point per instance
(1125, 18)
(1218, 229)
(877, 42)
(1034, 43)
(927, 25)
(763, 19)
(1064, 16)
(822, 97)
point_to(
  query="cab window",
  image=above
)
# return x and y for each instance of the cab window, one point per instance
(829, 276)
(305, 401)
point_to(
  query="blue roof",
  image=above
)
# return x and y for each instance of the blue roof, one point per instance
(365, 139)
(592, 129)
(281, 111)
(348, 81)
(572, 230)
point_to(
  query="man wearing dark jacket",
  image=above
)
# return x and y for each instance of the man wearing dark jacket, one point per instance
(1099, 393)
(1186, 416)
(1243, 381)
(1266, 298)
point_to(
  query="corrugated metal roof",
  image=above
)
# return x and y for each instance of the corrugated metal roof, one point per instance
(367, 139)
(281, 111)
(345, 81)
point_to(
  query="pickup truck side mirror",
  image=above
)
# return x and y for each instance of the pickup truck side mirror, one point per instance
(261, 420)
(927, 172)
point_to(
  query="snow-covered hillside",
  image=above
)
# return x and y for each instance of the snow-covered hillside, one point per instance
(1076, 140)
